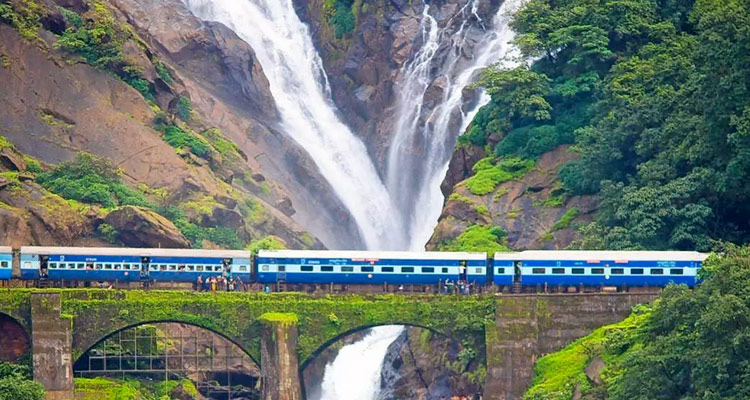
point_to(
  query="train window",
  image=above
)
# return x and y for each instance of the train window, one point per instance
(191, 268)
(209, 268)
(264, 267)
(347, 269)
(199, 268)
(386, 269)
(80, 266)
(577, 271)
(478, 270)
(617, 271)
(538, 270)
(3, 264)
(53, 265)
(558, 270)
(597, 271)
(118, 266)
(407, 269)
(218, 268)
(282, 268)
(98, 266)
(326, 268)
(657, 271)
(172, 267)
(368, 269)
(154, 267)
(428, 269)
(675, 271)
(636, 271)
(445, 270)
(306, 268)
(243, 268)
(107, 266)
(501, 270)
(135, 266)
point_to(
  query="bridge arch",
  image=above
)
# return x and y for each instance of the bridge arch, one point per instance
(111, 334)
(15, 339)
(364, 327)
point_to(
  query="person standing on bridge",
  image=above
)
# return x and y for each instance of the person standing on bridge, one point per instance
(198, 286)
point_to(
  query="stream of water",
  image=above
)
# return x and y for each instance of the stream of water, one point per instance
(401, 212)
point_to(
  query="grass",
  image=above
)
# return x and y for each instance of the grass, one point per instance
(487, 176)
(565, 220)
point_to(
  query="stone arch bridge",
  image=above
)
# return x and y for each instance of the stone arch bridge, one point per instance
(283, 331)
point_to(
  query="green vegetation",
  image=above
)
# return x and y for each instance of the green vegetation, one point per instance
(184, 108)
(565, 220)
(487, 176)
(653, 94)
(24, 16)
(107, 232)
(690, 344)
(265, 243)
(179, 139)
(225, 237)
(16, 383)
(284, 319)
(559, 374)
(99, 39)
(478, 238)
(92, 180)
(164, 74)
(341, 14)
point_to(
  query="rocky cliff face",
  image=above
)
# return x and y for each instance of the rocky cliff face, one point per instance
(425, 366)
(532, 209)
(59, 99)
(364, 65)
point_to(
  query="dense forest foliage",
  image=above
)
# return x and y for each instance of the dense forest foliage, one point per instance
(655, 97)
(688, 345)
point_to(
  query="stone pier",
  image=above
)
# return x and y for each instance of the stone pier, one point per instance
(279, 364)
(51, 342)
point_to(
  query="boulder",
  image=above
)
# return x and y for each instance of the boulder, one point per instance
(11, 160)
(139, 227)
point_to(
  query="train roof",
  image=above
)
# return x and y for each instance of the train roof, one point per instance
(602, 255)
(403, 255)
(126, 251)
(6, 249)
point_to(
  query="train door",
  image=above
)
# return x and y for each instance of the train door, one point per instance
(463, 272)
(517, 271)
(227, 270)
(145, 274)
(43, 267)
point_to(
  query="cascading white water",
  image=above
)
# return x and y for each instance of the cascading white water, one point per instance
(431, 135)
(355, 373)
(300, 89)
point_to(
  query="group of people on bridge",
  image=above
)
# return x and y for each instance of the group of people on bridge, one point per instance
(219, 283)
(458, 287)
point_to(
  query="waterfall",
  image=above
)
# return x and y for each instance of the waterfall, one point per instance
(299, 85)
(424, 138)
(355, 373)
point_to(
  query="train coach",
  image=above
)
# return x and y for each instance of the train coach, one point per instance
(130, 264)
(597, 268)
(370, 267)
(6, 262)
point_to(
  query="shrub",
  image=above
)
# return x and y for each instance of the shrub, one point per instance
(90, 179)
(483, 238)
(486, 178)
(184, 108)
(565, 220)
(163, 72)
(107, 232)
(177, 138)
(16, 383)
(340, 14)
(224, 237)
(265, 243)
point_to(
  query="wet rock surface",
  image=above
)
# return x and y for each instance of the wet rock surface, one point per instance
(139, 227)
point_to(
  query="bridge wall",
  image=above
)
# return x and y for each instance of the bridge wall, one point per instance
(513, 330)
(528, 327)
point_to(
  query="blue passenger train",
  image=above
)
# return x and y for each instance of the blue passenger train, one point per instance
(521, 269)
(370, 267)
